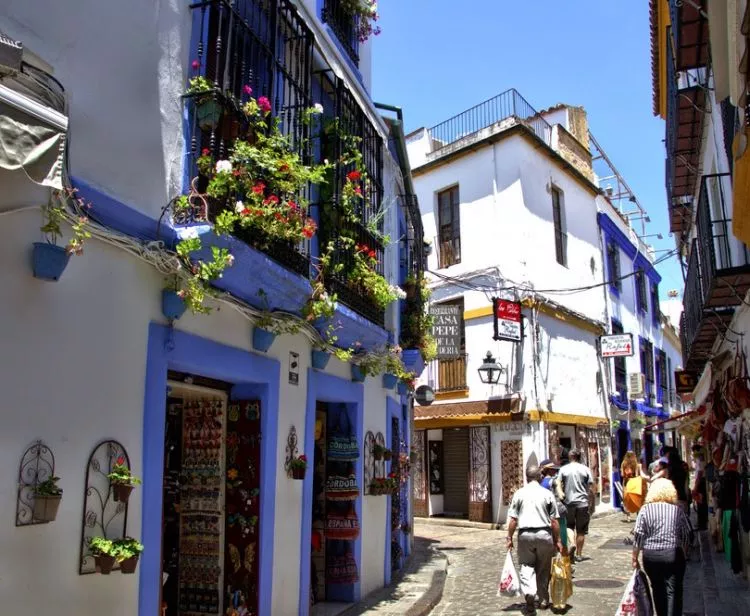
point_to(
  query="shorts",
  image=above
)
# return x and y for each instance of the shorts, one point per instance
(578, 519)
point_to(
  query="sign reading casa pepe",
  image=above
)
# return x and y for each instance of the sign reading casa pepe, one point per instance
(616, 345)
(507, 316)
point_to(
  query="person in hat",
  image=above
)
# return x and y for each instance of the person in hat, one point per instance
(550, 481)
(576, 482)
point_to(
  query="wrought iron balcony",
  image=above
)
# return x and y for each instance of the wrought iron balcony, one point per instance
(718, 274)
(509, 105)
(344, 26)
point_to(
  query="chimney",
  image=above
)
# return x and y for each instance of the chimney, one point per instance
(570, 136)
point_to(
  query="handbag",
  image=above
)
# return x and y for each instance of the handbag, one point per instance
(342, 523)
(561, 584)
(341, 568)
(342, 444)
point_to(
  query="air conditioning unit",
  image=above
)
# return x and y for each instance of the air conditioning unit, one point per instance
(636, 384)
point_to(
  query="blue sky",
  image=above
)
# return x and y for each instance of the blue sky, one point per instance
(436, 58)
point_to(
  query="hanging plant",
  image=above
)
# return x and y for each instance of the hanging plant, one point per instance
(122, 480)
(47, 497)
(297, 467)
(416, 324)
(127, 551)
(104, 554)
(365, 14)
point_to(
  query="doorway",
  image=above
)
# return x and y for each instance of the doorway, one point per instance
(456, 468)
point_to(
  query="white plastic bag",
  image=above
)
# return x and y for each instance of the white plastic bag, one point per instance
(509, 584)
(628, 605)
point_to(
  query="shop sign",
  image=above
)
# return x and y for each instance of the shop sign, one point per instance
(685, 382)
(507, 317)
(446, 329)
(616, 345)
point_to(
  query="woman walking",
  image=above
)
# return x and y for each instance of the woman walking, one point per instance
(662, 533)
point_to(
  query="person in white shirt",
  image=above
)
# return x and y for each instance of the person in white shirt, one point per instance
(576, 481)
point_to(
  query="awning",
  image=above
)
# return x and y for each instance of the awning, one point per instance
(473, 411)
(680, 421)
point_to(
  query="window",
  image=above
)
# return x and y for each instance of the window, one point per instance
(641, 299)
(452, 372)
(344, 25)
(621, 369)
(613, 266)
(558, 218)
(647, 368)
(662, 381)
(656, 314)
(449, 222)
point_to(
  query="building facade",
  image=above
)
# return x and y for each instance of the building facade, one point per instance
(218, 112)
(514, 209)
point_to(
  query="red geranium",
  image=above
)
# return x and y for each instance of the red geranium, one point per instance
(259, 188)
(353, 176)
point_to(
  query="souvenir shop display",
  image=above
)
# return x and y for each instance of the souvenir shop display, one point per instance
(341, 567)
(342, 442)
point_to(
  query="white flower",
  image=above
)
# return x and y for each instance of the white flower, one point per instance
(187, 233)
(398, 292)
(318, 108)
(325, 161)
(239, 207)
(223, 166)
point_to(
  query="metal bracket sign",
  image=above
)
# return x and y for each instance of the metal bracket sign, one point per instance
(507, 316)
(616, 345)
(685, 382)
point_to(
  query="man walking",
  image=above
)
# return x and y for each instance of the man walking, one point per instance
(534, 514)
(576, 481)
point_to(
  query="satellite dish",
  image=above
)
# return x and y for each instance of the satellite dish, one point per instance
(424, 395)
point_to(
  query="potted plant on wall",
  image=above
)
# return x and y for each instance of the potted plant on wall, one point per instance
(172, 302)
(267, 327)
(104, 554)
(127, 551)
(122, 480)
(387, 454)
(377, 451)
(297, 467)
(207, 106)
(47, 496)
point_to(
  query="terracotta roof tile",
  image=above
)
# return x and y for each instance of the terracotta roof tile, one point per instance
(498, 406)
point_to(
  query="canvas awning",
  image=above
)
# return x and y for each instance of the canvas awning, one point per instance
(675, 423)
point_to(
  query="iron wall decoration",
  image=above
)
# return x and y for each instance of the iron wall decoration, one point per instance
(37, 465)
(291, 449)
(435, 450)
(102, 515)
(380, 464)
(479, 474)
(417, 447)
(370, 469)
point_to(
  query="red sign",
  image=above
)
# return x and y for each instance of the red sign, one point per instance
(507, 320)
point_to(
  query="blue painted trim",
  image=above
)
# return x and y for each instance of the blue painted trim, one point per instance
(327, 388)
(347, 58)
(650, 411)
(393, 411)
(612, 231)
(620, 404)
(176, 350)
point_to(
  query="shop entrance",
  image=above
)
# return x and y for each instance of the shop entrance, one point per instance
(211, 505)
(456, 452)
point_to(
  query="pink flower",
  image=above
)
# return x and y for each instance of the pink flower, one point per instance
(196, 65)
(205, 152)
(247, 89)
(358, 191)
(264, 104)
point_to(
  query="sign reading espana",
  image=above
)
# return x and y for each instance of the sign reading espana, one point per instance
(616, 345)
(507, 320)
(446, 329)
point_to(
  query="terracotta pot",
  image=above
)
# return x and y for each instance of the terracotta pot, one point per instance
(45, 507)
(104, 563)
(387, 455)
(121, 492)
(129, 564)
(298, 473)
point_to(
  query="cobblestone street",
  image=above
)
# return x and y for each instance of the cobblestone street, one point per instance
(475, 557)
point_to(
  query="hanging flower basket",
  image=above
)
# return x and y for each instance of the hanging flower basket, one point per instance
(45, 507)
(49, 261)
(104, 563)
(387, 454)
(377, 452)
(320, 359)
(129, 564)
(390, 381)
(172, 305)
(209, 113)
(262, 339)
(121, 492)
(357, 375)
(298, 473)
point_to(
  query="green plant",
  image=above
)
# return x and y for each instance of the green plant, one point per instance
(102, 547)
(299, 462)
(120, 474)
(125, 548)
(378, 449)
(365, 15)
(200, 85)
(58, 209)
(48, 487)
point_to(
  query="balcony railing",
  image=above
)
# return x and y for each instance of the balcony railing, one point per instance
(344, 26)
(692, 313)
(415, 256)
(451, 373)
(506, 106)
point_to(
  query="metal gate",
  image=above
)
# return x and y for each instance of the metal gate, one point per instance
(456, 471)
(480, 502)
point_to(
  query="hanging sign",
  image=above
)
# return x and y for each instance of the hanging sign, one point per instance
(424, 396)
(446, 329)
(507, 317)
(616, 345)
(685, 382)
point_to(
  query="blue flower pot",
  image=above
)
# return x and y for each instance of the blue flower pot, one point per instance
(357, 374)
(49, 261)
(390, 381)
(413, 361)
(403, 389)
(262, 339)
(172, 305)
(320, 359)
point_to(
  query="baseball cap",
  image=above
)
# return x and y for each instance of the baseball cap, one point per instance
(547, 463)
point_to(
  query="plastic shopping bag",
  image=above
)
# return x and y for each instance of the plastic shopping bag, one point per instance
(561, 584)
(636, 600)
(509, 584)
(628, 605)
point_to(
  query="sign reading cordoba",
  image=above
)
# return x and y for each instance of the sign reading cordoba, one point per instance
(616, 345)
(507, 320)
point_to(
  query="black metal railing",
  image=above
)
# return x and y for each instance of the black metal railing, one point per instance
(508, 105)
(692, 313)
(415, 246)
(684, 340)
(718, 250)
(344, 26)
(451, 373)
(671, 124)
(266, 46)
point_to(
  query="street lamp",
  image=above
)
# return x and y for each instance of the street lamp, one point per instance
(489, 371)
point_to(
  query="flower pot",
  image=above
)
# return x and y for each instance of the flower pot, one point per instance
(45, 507)
(298, 473)
(129, 564)
(104, 563)
(320, 359)
(387, 455)
(413, 360)
(209, 113)
(49, 261)
(377, 455)
(121, 492)
(172, 305)
(357, 374)
(262, 339)
(390, 381)
(403, 389)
